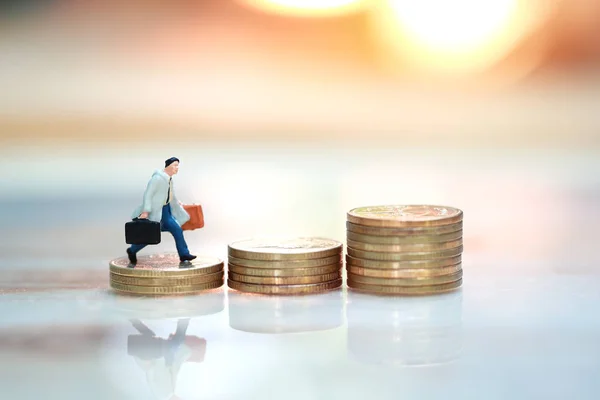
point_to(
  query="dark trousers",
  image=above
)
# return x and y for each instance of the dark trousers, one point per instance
(168, 224)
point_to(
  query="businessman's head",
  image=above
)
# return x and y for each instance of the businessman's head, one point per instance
(172, 166)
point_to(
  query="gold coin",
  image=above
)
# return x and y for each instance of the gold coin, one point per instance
(326, 269)
(284, 249)
(404, 248)
(414, 281)
(287, 289)
(285, 280)
(416, 264)
(169, 290)
(404, 215)
(380, 256)
(166, 265)
(176, 281)
(402, 273)
(407, 231)
(315, 262)
(405, 290)
(400, 240)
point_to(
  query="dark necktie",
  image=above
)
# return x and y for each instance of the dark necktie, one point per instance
(169, 192)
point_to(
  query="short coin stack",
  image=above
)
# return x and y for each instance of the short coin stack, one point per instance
(163, 274)
(404, 249)
(285, 266)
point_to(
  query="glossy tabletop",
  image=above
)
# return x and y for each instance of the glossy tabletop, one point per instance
(524, 325)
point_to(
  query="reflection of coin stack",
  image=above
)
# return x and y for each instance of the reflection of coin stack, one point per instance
(164, 307)
(267, 314)
(404, 249)
(165, 275)
(285, 266)
(412, 331)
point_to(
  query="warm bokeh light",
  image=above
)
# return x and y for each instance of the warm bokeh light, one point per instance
(453, 36)
(306, 8)
(456, 26)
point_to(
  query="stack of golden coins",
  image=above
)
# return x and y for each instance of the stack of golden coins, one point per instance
(285, 266)
(163, 274)
(404, 249)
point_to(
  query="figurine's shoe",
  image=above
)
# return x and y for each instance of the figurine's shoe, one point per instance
(189, 257)
(132, 257)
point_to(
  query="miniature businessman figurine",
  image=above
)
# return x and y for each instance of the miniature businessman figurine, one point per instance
(161, 205)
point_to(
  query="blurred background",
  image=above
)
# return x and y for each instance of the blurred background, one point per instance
(461, 73)
(285, 115)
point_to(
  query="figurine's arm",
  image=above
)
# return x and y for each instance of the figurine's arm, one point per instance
(177, 203)
(175, 200)
(149, 194)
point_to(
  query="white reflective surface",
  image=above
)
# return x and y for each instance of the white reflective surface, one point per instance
(524, 325)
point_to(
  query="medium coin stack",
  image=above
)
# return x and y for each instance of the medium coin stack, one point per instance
(404, 249)
(163, 274)
(302, 265)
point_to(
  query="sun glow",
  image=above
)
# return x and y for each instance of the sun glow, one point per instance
(456, 26)
(451, 36)
(306, 8)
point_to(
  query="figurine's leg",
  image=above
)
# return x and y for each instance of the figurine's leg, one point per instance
(176, 340)
(141, 327)
(182, 326)
(169, 224)
(136, 247)
(177, 233)
(131, 252)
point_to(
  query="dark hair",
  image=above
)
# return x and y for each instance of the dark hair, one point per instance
(171, 161)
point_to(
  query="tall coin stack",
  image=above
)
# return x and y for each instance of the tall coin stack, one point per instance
(404, 249)
(285, 266)
(163, 274)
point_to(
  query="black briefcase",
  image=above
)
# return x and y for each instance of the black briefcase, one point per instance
(146, 347)
(142, 231)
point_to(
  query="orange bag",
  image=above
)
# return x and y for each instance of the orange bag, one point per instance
(196, 217)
